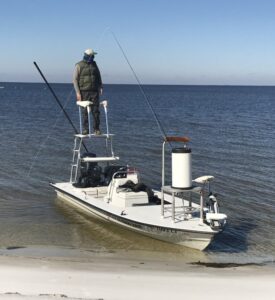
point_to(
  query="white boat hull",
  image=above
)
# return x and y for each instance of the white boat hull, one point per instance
(196, 239)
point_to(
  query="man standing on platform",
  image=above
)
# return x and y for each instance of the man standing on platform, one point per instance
(88, 87)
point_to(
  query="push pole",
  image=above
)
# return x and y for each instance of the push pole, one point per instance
(56, 98)
(58, 102)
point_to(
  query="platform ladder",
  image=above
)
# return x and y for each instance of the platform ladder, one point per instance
(76, 158)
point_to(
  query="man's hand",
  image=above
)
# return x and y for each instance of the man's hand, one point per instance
(78, 97)
(100, 91)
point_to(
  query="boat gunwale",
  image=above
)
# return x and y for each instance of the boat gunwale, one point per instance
(123, 218)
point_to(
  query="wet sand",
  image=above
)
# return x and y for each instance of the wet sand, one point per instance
(67, 274)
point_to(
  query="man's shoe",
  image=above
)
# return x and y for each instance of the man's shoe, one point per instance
(97, 132)
(85, 131)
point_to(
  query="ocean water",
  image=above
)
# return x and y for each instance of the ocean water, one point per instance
(232, 138)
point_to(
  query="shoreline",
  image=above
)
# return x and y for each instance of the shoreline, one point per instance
(62, 273)
(187, 257)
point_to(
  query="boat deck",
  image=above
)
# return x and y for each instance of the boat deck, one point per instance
(186, 218)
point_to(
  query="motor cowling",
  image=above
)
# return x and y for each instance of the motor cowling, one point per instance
(90, 173)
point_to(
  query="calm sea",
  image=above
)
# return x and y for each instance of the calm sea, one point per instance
(232, 138)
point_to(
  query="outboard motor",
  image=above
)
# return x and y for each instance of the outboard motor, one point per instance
(90, 173)
(213, 203)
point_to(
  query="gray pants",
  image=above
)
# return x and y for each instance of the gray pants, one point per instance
(93, 97)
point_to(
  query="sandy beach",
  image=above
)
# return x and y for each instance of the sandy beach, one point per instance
(116, 277)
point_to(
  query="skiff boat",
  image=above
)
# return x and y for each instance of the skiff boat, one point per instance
(185, 212)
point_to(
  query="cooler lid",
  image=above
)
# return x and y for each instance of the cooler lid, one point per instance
(181, 150)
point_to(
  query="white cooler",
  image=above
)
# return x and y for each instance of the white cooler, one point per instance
(181, 168)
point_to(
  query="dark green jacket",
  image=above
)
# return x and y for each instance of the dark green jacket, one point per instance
(89, 76)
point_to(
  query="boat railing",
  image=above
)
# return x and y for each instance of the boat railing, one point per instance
(176, 194)
(127, 174)
(87, 105)
(79, 142)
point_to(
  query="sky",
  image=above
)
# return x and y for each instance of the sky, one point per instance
(219, 42)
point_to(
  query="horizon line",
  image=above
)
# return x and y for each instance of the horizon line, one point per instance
(147, 84)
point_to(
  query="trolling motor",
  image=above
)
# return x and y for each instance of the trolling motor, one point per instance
(214, 217)
(213, 204)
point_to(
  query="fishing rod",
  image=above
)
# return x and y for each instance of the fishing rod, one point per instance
(46, 139)
(58, 101)
(161, 129)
